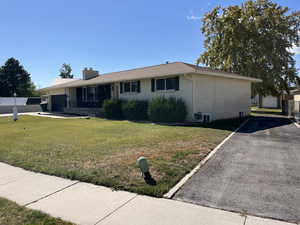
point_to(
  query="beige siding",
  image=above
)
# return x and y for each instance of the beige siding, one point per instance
(297, 98)
(57, 92)
(223, 98)
(185, 92)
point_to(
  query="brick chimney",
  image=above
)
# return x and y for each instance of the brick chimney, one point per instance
(89, 73)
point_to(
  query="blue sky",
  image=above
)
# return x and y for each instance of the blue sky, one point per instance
(106, 35)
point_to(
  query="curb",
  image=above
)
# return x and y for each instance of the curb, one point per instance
(296, 124)
(174, 189)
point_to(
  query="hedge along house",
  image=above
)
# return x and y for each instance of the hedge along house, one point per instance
(208, 94)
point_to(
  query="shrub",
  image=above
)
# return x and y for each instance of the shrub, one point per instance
(167, 110)
(112, 109)
(135, 110)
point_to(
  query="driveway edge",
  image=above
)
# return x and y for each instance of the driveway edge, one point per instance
(295, 123)
(174, 189)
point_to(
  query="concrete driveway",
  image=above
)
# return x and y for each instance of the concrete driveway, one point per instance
(256, 172)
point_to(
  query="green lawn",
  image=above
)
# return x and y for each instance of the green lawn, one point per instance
(13, 214)
(104, 152)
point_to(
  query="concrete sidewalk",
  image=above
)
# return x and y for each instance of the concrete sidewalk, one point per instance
(88, 204)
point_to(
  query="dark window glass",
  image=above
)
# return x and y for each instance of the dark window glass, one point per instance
(127, 87)
(170, 83)
(91, 92)
(160, 84)
(134, 86)
(84, 94)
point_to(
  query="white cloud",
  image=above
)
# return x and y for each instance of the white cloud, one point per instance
(192, 17)
(295, 50)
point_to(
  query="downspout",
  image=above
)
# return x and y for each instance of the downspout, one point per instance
(192, 80)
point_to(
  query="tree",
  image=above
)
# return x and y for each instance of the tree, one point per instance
(254, 39)
(65, 71)
(33, 90)
(14, 78)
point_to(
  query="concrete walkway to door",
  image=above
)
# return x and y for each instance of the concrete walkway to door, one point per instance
(256, 172)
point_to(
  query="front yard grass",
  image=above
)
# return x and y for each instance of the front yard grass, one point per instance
(104, 152)
(13, 214)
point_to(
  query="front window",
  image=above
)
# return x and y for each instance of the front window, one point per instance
(84, 94)
(171, 83)
(161, 84)
(130, 87)
(91, 93)
(127, 87)
(134, 86)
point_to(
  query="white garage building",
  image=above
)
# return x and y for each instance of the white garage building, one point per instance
(216, 94)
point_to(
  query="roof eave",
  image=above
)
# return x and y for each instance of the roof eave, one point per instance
(226, 75)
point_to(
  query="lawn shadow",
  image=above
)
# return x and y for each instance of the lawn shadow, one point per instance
(226, 124)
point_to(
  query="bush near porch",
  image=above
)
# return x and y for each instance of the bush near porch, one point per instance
(135, 110)
(104, 152)
(167, 110)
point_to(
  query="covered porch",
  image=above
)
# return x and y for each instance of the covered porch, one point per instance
(88, 100)
(82, 100)
(92, 96)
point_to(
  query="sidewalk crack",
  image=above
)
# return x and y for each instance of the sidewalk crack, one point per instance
(245, 220)
(112, 212)
(46, 196)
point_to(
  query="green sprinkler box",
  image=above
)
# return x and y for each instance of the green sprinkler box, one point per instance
(143, 164)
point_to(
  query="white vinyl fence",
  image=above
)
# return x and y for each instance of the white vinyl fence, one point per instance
(23, 104)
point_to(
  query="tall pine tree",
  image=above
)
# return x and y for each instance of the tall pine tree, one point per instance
(14, 78)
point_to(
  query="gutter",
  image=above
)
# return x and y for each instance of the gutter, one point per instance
(100, 81)
(239, 77)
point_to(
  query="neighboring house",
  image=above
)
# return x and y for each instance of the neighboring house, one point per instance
(268, 101)
(296, 104)
(216, 94)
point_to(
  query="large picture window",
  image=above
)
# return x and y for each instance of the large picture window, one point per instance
(127, 87)
(171, 83)
(160, 84)
(130, 87)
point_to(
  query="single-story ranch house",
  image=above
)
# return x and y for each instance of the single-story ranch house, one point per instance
(208, 94)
